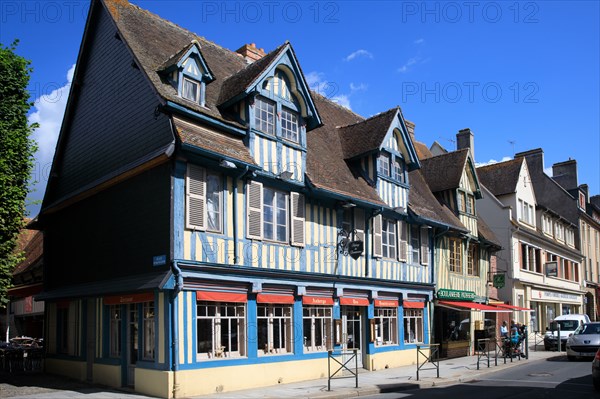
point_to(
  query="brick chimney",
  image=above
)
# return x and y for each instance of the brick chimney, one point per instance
(410, 126)
(565, 174)
(464, 139)
(251, 53)
(534, 158)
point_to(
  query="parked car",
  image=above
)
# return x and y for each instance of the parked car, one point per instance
(584, 342)
(596, 371)
(568, 323)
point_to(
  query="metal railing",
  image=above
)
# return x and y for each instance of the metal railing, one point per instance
(343, 365)
(432, 357)
(482, 350)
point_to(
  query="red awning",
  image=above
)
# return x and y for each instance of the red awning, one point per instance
(354, 301)
(273, 298)
(459, 305)
(215, 296)
(386, 303)
(27, 290)
(131, 298)
(413, 304)
(512, 307)
(317, 300)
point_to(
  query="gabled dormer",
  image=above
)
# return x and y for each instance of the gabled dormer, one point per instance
(188, 73)
(381, 150)
(271, 97)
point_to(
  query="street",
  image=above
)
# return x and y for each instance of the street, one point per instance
(550, 378)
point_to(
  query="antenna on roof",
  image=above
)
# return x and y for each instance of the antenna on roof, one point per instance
(512, 143)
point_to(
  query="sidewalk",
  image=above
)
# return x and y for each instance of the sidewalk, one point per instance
(452, 371)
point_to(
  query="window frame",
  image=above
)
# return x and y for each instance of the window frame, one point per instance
(219, 193)
(415, 244)
(148, 330)
(282, 323)
(388, 238)
(320, 324)
(284, 130)
(455, 255)
(473, 258)
(415, 316)
(275, 215)
(259, 112)
(386, 323)
(215, 318)
(383, 165)
(115, 330)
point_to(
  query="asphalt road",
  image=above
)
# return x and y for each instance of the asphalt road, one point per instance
(553, 378)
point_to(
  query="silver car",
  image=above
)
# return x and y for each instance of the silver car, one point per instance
(584, 342)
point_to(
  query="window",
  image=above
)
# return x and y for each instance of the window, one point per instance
(62, 315)
(455, 255)
(275, 333)
(570, 237)
(317, 328)
(67, 326)
(221, 329)
(413, 326)
(204, 200)
(559, 232)
(149, 330)
(473, 260)
(116, 319)
(191, 90)
(531, 258)
(399, 170)
(264, 115)
(289, 125)
(527, 213)
(275, 215)
(388, 238)
(460, 201)
(383, 165)
(414, 244)
(547, 224)
(470, 204)
(386, 326)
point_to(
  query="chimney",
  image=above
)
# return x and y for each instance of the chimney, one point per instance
(534, 158)
(464, 139)
(410, 126)
(565, 174)
(595, 199)
(251, 53)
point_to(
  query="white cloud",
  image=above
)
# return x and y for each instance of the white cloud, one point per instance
(359, 53)
(358, 87)
(49, 109)
(491, 162)
(411, 61)
(342, 100)
(419, 41)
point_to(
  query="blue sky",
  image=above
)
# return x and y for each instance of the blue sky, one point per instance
(521, 75)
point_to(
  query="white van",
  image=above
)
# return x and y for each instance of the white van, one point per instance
(568, 324)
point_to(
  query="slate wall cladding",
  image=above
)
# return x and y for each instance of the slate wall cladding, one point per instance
(113, 120)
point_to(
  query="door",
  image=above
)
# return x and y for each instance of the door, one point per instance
(132, 343)
(352, 332)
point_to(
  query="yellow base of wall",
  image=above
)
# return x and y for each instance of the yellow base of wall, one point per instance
(109, 375)
(392, 359)
(69, 368)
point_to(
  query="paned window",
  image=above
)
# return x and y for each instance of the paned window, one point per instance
(115, 323)
(413, 326)
(221, 329)
(275, 333)
(275, 215)
(264, 115)
(148, 330)
(388, 237)
(317, 328)
(455, 255)
(415, 244)
(383, 165)
(289, 125)
(386, 326)
(473, 260)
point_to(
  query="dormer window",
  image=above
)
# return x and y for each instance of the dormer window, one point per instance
(392, 167)
(289, 125)
(264, 116)
(383, 165)
(190, 90)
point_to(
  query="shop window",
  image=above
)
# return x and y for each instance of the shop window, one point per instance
(413, 326)
(115, 323)
(386, 326)
(148, 336)
(275, 333)
(221, 330)
(317, 328)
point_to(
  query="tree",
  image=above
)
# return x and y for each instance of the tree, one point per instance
(16, 157)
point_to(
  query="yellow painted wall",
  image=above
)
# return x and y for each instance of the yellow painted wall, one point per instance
(107, 374)
(391, 359)
(69, 368)
(155, 383)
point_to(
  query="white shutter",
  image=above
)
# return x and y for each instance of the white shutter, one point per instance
(359, 224)
(377, 243)
(195, 198)
(402, 241)
(424, 246)
(298, 212)
(254, 205)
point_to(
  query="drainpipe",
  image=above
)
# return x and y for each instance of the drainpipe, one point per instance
(174, 327)
(235, 219)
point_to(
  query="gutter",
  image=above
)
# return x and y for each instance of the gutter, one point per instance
(174, 326)
(204, 118)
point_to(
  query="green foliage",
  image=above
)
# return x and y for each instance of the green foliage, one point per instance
(16, 157)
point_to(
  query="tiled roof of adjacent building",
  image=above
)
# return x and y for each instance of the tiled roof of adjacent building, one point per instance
(361, 137)
(443, 172)
(501, 178)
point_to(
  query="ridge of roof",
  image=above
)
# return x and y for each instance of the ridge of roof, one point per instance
(366, 120)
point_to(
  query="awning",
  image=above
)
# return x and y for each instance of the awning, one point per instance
(459, 305)
(127, 299)
(273, 298)
(354, 301)
(317, 300)
(512, 307)
(386, 303)
(216, 296)
(413, 305)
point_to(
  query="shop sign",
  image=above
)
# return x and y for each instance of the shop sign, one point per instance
(499, 280)
(551, 269)
(456, 295)
(355, 249)
(554, 296)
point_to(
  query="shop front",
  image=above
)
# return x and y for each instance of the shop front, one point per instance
(547, 305)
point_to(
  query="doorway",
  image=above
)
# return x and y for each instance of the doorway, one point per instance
(132, 346)
(352, 331)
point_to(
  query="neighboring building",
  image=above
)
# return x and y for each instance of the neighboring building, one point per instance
(536, 222)
(462, 311)
(565, 174)
(200, 211)
(25, 316)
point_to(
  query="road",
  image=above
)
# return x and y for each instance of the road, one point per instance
(553, 378)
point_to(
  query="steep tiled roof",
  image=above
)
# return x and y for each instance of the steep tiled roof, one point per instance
(422, 202)
(32, 246)
(211, 140)
(422, 151)
(443, 172)
(501, 178)
(237, 83)
(155, 41)
(365, 136)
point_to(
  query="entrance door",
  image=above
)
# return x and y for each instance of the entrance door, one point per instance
(352, 329)
(132, 342)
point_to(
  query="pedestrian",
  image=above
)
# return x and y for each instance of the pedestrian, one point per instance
(504, 330)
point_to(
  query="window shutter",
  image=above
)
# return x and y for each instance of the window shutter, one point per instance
(359, 224)
(195, 199)
(424, 246)
(377, 243)
(254, 205)
(298, 217)
(402, 241)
